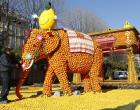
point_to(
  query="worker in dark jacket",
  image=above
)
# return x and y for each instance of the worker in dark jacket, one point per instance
(5, 74)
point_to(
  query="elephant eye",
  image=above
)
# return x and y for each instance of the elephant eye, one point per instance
(34, 45)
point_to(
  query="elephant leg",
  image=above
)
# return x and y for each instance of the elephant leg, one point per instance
(87, 83)
(96, 70)
(61, 73)
(47, 89)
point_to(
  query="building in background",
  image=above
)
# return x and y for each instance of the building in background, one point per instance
(12, 27)
(12, 32)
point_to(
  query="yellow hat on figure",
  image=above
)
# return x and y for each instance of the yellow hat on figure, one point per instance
(47, 19)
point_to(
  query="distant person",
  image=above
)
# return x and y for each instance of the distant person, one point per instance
(16, 59)
(5, 74)
(16, 62)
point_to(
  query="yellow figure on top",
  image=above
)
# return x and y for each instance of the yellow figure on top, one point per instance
(127, 24)
(47, 19)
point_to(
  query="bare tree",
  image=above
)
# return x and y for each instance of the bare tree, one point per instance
(26, 8)
(36, 6)
(82, 20)
(78, 19)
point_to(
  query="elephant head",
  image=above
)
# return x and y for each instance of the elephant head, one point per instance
(32, 49)
(37, 46)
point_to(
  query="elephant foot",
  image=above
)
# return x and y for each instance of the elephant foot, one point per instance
(67, 93)
(70, 94)
(49, 94)
(98, 89)
(87, 90)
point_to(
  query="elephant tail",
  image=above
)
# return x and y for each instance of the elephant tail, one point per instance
(23, 76)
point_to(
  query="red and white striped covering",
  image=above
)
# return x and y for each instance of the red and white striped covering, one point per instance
(80, 42)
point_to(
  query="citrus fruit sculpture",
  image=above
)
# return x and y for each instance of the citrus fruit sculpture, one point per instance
(47, 19)
(54, 46)
(66, 51)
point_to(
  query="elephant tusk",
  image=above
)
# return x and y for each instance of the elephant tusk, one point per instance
(55, 17)
(32, 61)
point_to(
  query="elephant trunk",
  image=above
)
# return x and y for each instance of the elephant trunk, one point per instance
(23, 76)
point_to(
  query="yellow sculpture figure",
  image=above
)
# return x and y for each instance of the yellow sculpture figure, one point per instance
(47, 19)
(127, 24)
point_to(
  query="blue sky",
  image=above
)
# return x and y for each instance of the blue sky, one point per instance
(112, 12)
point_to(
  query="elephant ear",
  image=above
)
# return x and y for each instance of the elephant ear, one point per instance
(51, 42)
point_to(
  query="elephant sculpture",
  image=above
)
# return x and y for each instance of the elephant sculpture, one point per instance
(54, 46)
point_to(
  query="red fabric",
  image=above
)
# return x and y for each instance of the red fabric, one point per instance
(79, 42)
